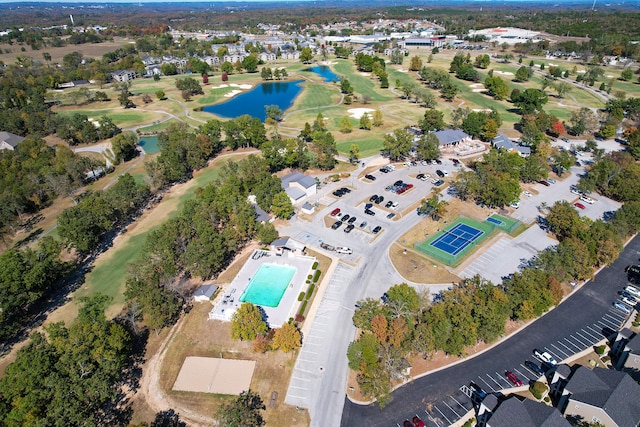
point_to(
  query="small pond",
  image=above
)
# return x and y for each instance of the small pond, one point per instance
(149, 144)
(254, 101)
(324, 72)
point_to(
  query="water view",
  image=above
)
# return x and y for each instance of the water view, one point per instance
(149, 144)
(324, 72)
(253, 102)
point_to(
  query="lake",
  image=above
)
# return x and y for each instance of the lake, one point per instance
(149, 144)
(324, 72)
(254, 101)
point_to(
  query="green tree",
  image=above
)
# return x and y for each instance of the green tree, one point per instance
(287, 338)
(124, 146)
(523, 74)
(354, 153)
(250, 63)
(428, 147)
(432, 120)
(243, 411)
(497, 87)
(345, 86)
(282, 206)
(345, 124)
(404, 297)
(627, 74)
(377, 118)
(415, 64)
(160, 95)
(530, 100)
(306, 55)
(365, 122)
(273, 112)
(247, 322)
(398, 143)
(266, 233)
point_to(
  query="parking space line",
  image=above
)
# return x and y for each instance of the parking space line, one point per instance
(461, 405)
(431, 418)
(523, 375)
(452, 410)
(590, 334)
(445, 417)
(615, 319)
(571, 352)
(563, 353)
(491, 378)
(567, 340)
(589, 340)
(579, 341)
(488, 385)
(553, 353)
(503, 379)
(524, 367)
(598, 334)
(610, 324)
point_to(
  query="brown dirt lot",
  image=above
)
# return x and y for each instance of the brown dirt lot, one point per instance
(198, 336)
(9, 53)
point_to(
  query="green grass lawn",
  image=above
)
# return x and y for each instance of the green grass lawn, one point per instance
(362, 85)
(368, 145)
(317, 95)
(159, 127)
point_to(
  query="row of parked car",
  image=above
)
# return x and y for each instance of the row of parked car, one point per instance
(415, 422)
(399, 187)
(350, 221)
(629, 297)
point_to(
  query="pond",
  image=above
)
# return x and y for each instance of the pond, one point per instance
(254, 101)
(324, 72)
(149, 144)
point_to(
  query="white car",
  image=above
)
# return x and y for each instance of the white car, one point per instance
(622, 307)
(515, 205)
(575, 191)
(630, 302)
(395, 205)
(587, 199)
(632, 290)
(527, 193)
(545, 357)
(342, 250)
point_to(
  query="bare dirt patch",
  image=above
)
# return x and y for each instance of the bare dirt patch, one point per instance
(92, 50)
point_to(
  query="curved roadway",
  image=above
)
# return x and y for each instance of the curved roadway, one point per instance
(587, 313)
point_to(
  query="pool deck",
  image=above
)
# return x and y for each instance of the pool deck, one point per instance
(275, 316)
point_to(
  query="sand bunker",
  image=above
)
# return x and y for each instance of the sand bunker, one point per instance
(222, 86)
(232, 93)
(213, 375)
(477, 90)
(357, 113)
(476, 85)
(245, 86)
(506, 73)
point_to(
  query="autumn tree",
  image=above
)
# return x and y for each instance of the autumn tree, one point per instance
(287, 338)
(247, 322)
(244, 411)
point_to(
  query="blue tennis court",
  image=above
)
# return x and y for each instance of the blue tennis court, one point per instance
(453, 241)
(495, 221)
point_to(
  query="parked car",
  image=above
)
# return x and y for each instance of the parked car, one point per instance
(391, 215)
(352, 220)
(438, 183)
(363, 224)
(478, 390)
(551, 181)
(379, 200)
(632, 290)
(407, 423)
(385, 298)
(395, 205)
(388, 205)
(545, 183)
(369, 212)
(515, 205)
(336, 225)
(370, 177)
(440, 173)
(575, 190)
(335, 212)
(377, 229)
(527, 193)
(373, 198)
(345, 218)
(420, 176)
(544, 356)
(417, 422)
(368, 206)
(631, 302)
(398, 183)
(438, 161)
(620, 306)
(513, 378)
(533, 367)
(587, 199)
(579, 205)
(348, 228)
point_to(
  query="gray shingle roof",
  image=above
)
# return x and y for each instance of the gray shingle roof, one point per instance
(527, 413)
(11, 138)
(613, 391)
(302, 179)
(503, 141)
(634, 344)
(450, 136)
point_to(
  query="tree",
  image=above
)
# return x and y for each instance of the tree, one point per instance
(245, 411)
(287, 338)
(365, 122)
(160, 95)
(626, 75)
(282, 206)
(563, 88)
(273, 112)
(584, 120)
(306, 55)
(433, 120)
(428, 147)
(345, 86)
(345, 124)
(497, 87)
(250, 63)
(266, 233)
(398, 143)
(435, 206)
(557, 129)
(124, 146)
(530, 100)
(415, 64)
(189, 85)
(354, 153)
(247, 322)
(377, 118)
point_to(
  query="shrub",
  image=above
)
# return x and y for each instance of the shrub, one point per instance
(301, 296)
(316, 276)
(537, 389)
(299, 318)
(547, 399)
(310, 291)
(303, 307)
(600, 349)
(315, 265)
(309, 277)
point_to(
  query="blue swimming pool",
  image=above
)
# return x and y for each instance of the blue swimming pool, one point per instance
(267, 286)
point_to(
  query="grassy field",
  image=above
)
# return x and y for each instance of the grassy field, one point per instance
(9, 53)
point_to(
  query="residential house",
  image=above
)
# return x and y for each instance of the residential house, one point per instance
(290, 54)
(600, 395)
(72, 84)
(308, 208)
(211, 60)
(503, 142)
(123, 75)
(298, 186)
(625, 350)
(267, 56)
(234, 57)
(449, 137)
(152, 70)
(389, 51)
(528, 413)
(9, 141)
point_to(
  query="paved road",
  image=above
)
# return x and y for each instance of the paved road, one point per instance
(578, 322)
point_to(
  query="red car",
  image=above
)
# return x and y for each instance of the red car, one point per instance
(335, 212)
(417, 422)
(513, 378)
(579, 205)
